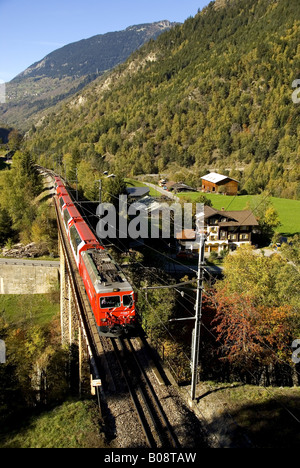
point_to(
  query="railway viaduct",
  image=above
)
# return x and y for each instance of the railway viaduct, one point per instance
(78, 327)
(78, 331)
(20, 277)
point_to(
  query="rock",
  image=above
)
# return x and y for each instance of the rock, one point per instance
(31, 250)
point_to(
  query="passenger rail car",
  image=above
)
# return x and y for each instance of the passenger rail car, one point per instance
(111, 296)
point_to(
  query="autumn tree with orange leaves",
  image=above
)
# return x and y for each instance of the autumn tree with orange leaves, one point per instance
(257, 310)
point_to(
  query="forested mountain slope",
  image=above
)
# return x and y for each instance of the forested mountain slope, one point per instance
(213, 93)
(68, 69)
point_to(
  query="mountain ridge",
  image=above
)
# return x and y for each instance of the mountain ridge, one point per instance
(215, 92)
(70, 68)
(56, 63)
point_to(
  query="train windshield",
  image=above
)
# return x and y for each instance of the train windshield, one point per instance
(128, 301)
(110, 302)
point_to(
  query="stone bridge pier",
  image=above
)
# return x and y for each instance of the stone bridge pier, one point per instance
(71, 331)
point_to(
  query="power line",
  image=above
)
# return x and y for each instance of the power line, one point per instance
(161, 253)
(294, 417)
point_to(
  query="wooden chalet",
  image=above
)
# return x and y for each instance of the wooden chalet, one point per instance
(217, 183)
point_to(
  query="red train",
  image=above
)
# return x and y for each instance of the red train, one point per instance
(111, 296)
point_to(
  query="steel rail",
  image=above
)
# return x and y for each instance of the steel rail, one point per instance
(144, 388)
(157, 415)
(158, 405)
(133, 394)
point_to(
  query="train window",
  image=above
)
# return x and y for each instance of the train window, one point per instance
(75, 238)
(66, 217)
(61, 202)
(127, 301)
(110, 302)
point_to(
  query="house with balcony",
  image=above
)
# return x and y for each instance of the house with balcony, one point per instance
(225, 230)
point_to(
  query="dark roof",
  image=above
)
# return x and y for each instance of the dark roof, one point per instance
(137, 191)
(235, 218)
(182, 186)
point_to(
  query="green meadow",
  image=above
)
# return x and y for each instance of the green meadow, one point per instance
(36, 309)
(288, 210)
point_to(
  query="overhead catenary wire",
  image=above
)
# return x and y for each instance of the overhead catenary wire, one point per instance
(294, 417)
(166, 256)
(210, 331)
(157, 277)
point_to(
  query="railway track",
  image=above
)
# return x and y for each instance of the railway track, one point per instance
(157, 431)
(133, 404)
(154, 422)
(82, 306)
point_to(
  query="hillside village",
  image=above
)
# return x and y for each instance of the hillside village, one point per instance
(195, 282)
(225, 230)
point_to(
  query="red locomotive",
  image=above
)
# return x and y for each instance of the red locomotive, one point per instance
(111, 296)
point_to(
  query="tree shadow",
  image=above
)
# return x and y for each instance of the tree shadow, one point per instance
(3, 164)
(270, 424)
(209, 392)
(46, 198)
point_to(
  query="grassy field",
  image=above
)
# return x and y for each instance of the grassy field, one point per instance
(36, 309)
(74, 424)
(288, 210)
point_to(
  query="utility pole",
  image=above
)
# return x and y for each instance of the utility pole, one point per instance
(76, 184)
(100, 191)
(198, 316)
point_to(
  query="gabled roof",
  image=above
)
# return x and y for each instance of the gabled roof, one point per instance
(239, 218)
(216, 178)
(235, 218)
(181, 186)
(148, 204)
